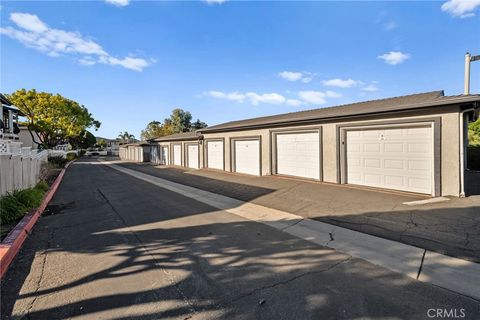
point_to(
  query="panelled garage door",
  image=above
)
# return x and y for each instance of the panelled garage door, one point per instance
(247, 156)
(177, 154)
(164, 155)
(393, 158)
(298, 154)
(192, 156)
(215, 154)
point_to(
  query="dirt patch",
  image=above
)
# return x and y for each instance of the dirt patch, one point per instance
(53, 209)
(51, 175)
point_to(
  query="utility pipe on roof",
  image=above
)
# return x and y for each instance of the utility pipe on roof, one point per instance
(466, 90)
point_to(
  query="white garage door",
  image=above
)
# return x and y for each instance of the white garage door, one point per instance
(164, 155)
(215, 154)
(192, 155)
(298, 154)
(247, 156)
(177, 154)
(391, 158)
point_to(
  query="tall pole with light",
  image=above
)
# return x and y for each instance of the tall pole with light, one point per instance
(464, 123)
(468, 59)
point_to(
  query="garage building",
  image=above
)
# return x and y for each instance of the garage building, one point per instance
(136, 152)
(413, 143)
(181, 149)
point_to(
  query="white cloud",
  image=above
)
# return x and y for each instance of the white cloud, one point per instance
(390, 25)
(305, 77)
(35, 34)
(314, 97)
(253, 97)
(28, 22)
(370, 88)
(290, 75)
(118, 3)
(333, 94)
(341, 83)
(270, 98)
(304, 97)
(214, 1)
(317, 97)
(394, 57)
(233, 96)
(132, 63)
(294, 102)
(461, 8)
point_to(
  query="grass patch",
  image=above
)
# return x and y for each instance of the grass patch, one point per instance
(15, 205)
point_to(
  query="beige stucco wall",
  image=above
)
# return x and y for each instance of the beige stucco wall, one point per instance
(451, 154)
(26, 138)
(265, 146)
(450, 166)
(133, 153)
(184, 151)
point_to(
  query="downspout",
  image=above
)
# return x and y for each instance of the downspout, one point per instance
(462, 150)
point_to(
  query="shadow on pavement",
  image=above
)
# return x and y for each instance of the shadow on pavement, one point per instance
(451, 228)
(127, 249)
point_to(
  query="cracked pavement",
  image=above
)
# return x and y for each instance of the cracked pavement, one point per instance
(451, 227)
(123, 248)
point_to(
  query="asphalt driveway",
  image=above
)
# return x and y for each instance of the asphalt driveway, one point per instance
(114, 247)
(451, 228)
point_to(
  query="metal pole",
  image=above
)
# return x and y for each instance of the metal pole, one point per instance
(466, 90)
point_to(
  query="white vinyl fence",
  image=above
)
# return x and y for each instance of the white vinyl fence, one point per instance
(19, 167)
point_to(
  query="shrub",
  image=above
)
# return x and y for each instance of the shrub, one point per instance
(71, 156)
(473, 158)
(81, 152)
(58, 161)
(15, 205)
(42, 185)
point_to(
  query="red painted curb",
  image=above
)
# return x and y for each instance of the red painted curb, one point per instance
(14, 240)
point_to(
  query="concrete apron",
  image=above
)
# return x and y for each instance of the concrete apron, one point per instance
(454, 274)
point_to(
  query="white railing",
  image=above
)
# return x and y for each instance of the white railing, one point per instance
(20, 168)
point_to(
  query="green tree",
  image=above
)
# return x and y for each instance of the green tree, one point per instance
(101, 143)
(54, 118)
(474, 133)
(126, 137)
(153, 130)
(198, 125)
(83, 141)
(180, 120)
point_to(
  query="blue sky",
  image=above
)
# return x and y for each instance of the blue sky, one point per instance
(133, 62)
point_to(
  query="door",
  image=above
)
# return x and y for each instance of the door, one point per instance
(215, 155)
(177, 154)
(247, 156)
(192, 156)
(298, 154)
(154, 154)
(399, 158)
(164, 155)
